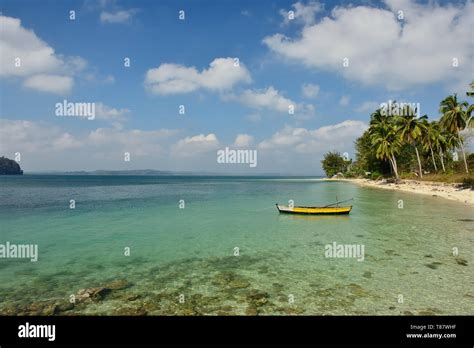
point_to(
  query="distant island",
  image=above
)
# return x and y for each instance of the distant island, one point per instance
(9, 167)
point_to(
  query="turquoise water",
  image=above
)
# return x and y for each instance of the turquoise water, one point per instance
(183, 261)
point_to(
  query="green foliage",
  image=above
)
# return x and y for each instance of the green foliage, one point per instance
(334, 163)
(375, 175)
(413, 146)
(9, 167)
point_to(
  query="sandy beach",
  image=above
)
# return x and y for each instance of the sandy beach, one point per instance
(434, 189)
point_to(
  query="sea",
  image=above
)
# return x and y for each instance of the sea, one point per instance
(216, 245)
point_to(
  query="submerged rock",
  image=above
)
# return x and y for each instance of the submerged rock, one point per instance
(239, 284)
(278, 286)
(293, 310)
(325, 292)
(230, 280)
(367, 275)
(357, 290)
(64, 306)
(251, 310)
(139, 311)
(461, 261)
(98, 293)
(187, 312)
(426, 312)
(117, 284)
(258, 298)
(433, 265)
(94, 294)
(133, 297)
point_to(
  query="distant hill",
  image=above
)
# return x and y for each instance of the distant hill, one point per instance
(9, 167)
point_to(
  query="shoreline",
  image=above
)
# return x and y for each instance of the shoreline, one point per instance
(431, 188)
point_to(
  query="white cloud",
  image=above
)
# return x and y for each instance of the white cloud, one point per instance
(344, 101)
(271, 99)
(121, 16)
(31, 137)
(383, 50)
(339, 137)
(310, 90)
(304, 13)
(367, 107)
(65, 141)
(55, 84)
(109, 113)
(138, 142)
(26, 56)
(221, 75)
(243, 140)
(268, 98)
(17, 42)
(198, 144)
(49, 147)
(300, 150)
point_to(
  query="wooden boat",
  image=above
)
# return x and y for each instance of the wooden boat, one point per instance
(326, 210)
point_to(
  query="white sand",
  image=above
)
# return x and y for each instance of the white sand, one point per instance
(434, 189)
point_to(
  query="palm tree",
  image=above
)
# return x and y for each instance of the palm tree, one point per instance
(471, 93)
(379, 119)
(443, 143)
(411, 131)
(384, 136)
(451, 142)
(454, 119)
(470, 109)
(431, 138)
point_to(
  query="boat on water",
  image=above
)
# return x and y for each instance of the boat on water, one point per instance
(331, 209)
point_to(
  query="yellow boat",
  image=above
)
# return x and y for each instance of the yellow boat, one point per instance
(327, 210)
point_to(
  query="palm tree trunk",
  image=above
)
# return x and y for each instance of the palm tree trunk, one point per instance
(419, 162)
(432, 156)
(393, 161)
(442, 162)
(463, 152)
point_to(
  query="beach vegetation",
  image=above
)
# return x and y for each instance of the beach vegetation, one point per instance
(404, 145)
(333, 164)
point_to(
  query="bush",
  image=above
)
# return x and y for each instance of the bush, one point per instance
(334, 163)
(375, 175)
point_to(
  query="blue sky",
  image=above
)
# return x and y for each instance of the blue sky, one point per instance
(190, 62)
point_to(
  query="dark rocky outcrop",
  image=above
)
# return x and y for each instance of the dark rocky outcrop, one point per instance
(9, 167)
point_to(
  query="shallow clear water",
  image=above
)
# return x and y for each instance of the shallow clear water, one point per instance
(281, 267)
